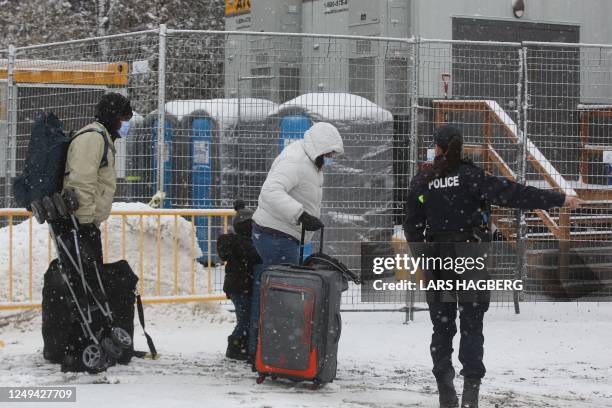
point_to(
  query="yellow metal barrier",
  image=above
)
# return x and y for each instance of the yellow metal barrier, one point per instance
(68, 72)
(182, 280)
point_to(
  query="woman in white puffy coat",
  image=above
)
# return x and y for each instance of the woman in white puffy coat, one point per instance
(289, 199)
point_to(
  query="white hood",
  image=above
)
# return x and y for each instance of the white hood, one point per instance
(322, 138)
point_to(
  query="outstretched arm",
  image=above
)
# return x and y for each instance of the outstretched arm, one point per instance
(506, 193)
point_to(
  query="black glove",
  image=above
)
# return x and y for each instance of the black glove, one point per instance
(309, 222)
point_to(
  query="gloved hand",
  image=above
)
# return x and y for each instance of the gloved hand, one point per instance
(310, 222)
(573, 202)
(157, 199)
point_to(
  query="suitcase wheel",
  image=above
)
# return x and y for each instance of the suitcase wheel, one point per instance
(316, 384)
(121, 337)
(260, 379)
(93, 359)
(112, 350)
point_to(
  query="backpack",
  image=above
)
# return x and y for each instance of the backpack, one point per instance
(45, 163)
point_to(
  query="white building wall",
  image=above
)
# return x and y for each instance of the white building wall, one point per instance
(431, 19)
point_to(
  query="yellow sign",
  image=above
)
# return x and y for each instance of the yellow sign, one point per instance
(233, 7)
(1, 344)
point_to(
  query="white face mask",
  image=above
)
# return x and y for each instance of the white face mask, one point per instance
(431, 154)
(125, 128)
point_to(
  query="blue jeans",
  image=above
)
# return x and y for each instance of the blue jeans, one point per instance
(273, 250)
(242, 305)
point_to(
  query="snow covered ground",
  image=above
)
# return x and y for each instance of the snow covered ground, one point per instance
(551, 355)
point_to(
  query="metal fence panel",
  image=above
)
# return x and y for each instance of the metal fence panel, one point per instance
(213, 109)
(568, 120)
(238, 99)
(161, 245)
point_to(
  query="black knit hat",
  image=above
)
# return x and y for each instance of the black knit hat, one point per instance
(242, 213)
(443, 135)
(111, 107)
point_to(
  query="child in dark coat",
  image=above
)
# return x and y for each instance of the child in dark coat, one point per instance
(237, 250)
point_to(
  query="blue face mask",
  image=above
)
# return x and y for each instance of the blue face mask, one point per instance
(328, 161)
(125, 128)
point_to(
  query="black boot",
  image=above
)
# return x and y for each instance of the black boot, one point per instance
(471, 388)
(448, 395)
(236, 348)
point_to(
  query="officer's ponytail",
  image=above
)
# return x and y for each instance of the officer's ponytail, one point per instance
(453, 153)
(448, 161)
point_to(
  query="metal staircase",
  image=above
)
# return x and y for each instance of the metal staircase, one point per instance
(568, 253)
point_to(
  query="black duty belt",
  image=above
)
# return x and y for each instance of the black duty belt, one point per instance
(476, 235)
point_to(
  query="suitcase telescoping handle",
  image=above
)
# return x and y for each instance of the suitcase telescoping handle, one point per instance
(303, 238)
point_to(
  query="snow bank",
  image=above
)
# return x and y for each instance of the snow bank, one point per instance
(149, 267)
(20, 256)
(223, 110)
(336, 107)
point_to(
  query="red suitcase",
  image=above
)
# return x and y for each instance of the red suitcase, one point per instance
(299, 322)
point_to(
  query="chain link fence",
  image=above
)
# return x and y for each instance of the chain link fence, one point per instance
(213, 109)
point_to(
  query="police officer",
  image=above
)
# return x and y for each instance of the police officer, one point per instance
(446, 203)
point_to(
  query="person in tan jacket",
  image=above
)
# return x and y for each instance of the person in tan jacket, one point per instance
(90, 168)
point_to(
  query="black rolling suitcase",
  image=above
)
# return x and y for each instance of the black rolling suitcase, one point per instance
(62, 329)
(300, 323)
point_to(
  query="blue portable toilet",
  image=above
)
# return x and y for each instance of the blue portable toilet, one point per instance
(201, 143)
(292, 128)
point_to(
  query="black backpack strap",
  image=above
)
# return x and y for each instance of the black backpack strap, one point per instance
(152, 348)
(104, 161)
